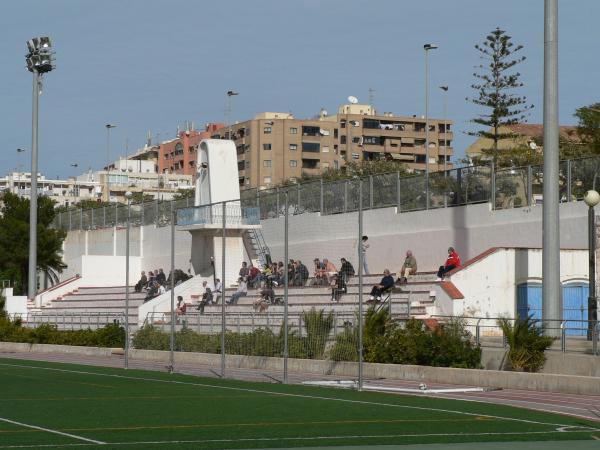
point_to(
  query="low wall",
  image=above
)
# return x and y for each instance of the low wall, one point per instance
(547, 382)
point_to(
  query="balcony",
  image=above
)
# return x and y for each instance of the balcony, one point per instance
(211, 217)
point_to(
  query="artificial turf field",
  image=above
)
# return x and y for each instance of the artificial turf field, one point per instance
(50, 405)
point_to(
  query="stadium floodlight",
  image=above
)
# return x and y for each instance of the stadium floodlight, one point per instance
(427, 47)
(40, 60)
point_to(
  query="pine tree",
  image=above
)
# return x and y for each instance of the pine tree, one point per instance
(495, 87)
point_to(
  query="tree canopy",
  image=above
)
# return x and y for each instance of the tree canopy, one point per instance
(495, 88)
(14, 239)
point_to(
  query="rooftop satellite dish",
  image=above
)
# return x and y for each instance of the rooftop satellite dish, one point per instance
(352, 99)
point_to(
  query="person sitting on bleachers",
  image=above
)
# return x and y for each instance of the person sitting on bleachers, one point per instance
(452, 262)
(151, 279)
(141, 284)
(161, 277)
(385, 284)
(244, 270)
(320, 277)
(346, 269)
(152, 291)
(267, 297)
(300, 274)
(207, 297)
(242, 291)
(330, 269)
(338, 287)
(408, 268)
(253, 276)
(181, 306)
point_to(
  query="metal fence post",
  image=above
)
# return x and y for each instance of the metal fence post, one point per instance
(360, 288)
(277, 200)
(493, 184)
(398, 198)
(156, 212)
(529, 185)
(298, 202)
(116, 214)
(346, 196)
(427, 199)
(569, 180)
(370, 191)
(321, 200)
(285, 292)
(172, 276)
(223, 248)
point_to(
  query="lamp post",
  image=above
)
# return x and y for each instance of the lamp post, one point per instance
(445, 89)
(592, 198)
(108, 126)
(229, 106)
(40, 60)
(427, 48)
(128, 196)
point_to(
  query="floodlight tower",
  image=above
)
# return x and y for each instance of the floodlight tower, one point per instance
(40, 60)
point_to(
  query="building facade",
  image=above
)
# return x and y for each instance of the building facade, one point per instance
(63, 192)
(178, 156)
(274, 147)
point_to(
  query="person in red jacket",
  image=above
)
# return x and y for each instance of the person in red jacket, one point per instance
(452, 262)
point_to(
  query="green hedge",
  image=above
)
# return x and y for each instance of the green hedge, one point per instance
(410, 342)
(112, 335)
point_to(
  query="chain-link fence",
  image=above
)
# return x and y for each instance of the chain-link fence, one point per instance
(506, 188)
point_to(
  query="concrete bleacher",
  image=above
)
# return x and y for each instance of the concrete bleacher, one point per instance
(95, 306)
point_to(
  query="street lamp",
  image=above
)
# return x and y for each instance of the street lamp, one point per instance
(40, 60)
(427, 48)
(108, 126)
(592, 198)
(229, 104)
(128, 196)
(445, 89)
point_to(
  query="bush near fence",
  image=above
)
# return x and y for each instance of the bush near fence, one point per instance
(111, 335)
(385, 341)
(410, 342)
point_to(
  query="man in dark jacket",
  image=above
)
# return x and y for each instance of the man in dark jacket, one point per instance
(386, 283)
(347, 270)
(301, 273)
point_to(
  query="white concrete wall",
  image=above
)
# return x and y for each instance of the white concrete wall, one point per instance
(108, 270)
(15, 304)
(470, 229)
(490, 285)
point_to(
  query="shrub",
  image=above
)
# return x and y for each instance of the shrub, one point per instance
(112, 335)
(151, 338)
(345, 347)
(318, 326)
(527, 343)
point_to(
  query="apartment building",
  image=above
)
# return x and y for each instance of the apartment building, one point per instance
(274, 147)
(63, 192)
(178, 156)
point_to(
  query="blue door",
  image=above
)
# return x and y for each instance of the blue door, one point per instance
(575, 310)
(529, 301)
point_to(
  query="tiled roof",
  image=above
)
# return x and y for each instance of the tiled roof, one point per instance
(536, 130)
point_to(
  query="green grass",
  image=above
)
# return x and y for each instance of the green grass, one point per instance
(140, 409)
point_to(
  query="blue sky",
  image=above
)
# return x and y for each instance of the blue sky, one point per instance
(151, 65)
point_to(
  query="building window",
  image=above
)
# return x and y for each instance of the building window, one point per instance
(293, 163)
(266, 146)
(312, 147)
(293, 147)
(267, 163)
(267, 130)
(293, 130)
(420, 159)
(267, 180)
(311, 131)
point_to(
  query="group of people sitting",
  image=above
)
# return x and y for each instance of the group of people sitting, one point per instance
(325, 274)
(157, 283)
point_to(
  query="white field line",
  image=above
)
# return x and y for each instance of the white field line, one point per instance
(301, 438)
(48, 430)
(286, 394)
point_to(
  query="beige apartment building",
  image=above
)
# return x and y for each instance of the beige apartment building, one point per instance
(274, 147)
